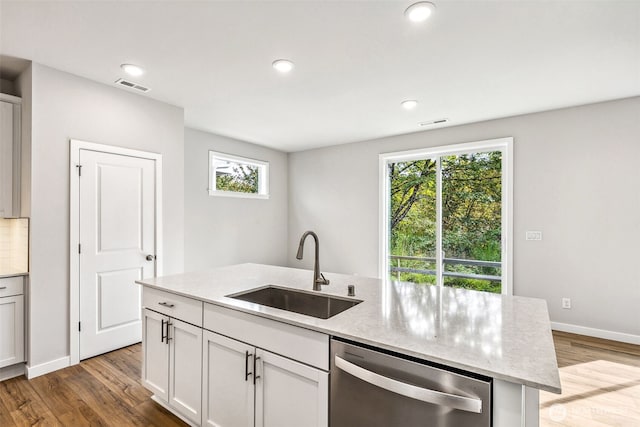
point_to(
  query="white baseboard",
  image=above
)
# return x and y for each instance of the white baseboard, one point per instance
(597, 333)
(12, 371)
(45, 368)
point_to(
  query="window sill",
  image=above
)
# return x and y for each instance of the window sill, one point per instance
(238, 195)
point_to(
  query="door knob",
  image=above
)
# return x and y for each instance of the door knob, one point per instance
(151, 257)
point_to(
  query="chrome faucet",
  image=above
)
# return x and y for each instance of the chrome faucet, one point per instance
(318, 278)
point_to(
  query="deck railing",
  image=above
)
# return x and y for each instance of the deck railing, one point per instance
(451, 261)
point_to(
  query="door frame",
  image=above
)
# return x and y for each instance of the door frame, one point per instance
(502, 144)
(74, 227)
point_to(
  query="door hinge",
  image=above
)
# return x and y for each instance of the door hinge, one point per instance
(79, 326)
(79, 170)
(79, 248)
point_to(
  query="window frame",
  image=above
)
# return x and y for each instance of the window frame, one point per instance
(504, 145)
(263, 176)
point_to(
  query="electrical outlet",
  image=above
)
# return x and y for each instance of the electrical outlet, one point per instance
(533, 235)
(566, 302)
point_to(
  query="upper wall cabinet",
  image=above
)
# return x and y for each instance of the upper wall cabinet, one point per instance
(9, 156)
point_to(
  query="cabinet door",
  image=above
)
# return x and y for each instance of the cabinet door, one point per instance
(227, 382)
(11, 330)
(290, 394)
(155, 350)
(6, 159)
(185, 369)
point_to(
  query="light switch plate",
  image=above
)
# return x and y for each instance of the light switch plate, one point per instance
(533, 235)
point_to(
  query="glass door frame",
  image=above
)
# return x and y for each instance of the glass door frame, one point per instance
(505, 146)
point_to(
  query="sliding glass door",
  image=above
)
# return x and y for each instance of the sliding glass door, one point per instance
(412, 220)
(446, 216)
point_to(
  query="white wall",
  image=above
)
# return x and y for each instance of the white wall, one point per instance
(577, 179)
(66, 106)
(228, 230)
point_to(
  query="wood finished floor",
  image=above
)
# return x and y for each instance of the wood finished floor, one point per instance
(600, 382)
(102, 391)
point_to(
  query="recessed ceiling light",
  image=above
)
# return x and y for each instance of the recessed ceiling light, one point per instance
(409, 104)
(419, 12)
(132, 70)
(283, 65)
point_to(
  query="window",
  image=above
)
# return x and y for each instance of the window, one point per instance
(446, 216)
(237, 176)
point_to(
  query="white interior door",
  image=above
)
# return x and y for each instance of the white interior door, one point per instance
(117, 235)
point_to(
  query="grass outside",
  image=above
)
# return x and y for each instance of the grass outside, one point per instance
(472, 284)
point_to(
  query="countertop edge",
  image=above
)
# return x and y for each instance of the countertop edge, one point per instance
(5, 276)
(427, 357)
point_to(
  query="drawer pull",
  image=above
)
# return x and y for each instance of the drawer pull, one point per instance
(2, 287)
(167, 304)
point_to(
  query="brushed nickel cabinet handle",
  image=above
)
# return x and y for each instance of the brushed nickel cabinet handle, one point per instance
(255, 369)
(247, 355)
(167, 304)
(168, 325)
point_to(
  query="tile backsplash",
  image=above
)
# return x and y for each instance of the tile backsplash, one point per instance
(14, 245)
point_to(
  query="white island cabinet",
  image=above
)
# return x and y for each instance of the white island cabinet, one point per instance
(232, 369)
(227, 382)
(287, 354)
(243, 383)
(172, 347)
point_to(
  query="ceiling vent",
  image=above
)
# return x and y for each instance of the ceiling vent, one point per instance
(132, 85)
(434, 122)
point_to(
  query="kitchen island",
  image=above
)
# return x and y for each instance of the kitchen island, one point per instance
(501, 337)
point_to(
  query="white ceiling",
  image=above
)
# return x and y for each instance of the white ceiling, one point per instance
(355, 60)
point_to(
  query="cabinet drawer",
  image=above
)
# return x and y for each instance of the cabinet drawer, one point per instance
(10, 286)
(186, 309)
(296, 343)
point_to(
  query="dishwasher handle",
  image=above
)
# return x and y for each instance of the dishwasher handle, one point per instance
(408, 390)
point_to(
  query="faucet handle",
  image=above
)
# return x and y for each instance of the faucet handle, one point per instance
(324, 280)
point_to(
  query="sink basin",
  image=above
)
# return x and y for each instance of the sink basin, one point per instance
(308, 303)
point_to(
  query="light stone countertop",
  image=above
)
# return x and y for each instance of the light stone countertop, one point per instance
(503, 337)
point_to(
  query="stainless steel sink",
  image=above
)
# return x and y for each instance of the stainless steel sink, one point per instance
(308, 303)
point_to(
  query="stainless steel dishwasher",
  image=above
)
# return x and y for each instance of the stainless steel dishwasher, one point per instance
(370, 388)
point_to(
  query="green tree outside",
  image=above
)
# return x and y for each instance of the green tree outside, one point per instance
(471, 217)
(239, 178)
